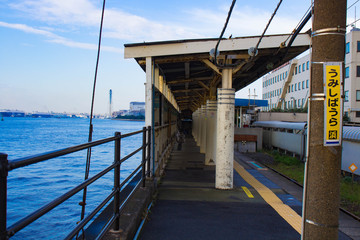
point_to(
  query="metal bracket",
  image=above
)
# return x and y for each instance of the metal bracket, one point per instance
(321, 225)
(329, 31)
(317, 97)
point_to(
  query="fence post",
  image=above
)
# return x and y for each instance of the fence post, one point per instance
(117, 181)
(143, 156)
(149, 151)
(3, 194)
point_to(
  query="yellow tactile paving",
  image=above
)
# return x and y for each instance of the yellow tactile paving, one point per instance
(247, 191)
(282, 209)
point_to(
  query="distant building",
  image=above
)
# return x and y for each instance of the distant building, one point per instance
(288, 86)
(137, 106)
(10, 113)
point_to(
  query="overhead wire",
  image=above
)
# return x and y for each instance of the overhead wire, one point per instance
(224, 28)
(301, 20)
(352, 4)
(88, 156)
(267, 25)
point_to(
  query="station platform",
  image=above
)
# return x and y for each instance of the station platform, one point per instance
(261, 205)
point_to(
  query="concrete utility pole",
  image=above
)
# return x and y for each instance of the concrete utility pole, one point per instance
(322, 198)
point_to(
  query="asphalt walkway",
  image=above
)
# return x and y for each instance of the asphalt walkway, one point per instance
(189, 206)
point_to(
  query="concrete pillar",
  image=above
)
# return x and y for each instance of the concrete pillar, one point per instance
(198, 142)
(210, 152)
(149, 107)
(194, 130)
(203, 129)
(225, 133)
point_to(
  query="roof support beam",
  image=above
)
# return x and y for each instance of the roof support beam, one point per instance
(212, 66)
(203, 85)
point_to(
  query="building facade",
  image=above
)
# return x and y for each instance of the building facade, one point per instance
(352, 76)
(137, 106)
(288, 86)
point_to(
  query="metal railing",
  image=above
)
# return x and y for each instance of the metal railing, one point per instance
(7, 165)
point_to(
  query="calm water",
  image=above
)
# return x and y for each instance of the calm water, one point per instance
(34, 186)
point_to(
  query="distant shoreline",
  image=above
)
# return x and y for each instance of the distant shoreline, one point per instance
(134, 120)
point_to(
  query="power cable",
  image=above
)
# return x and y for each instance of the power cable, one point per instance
(88, 156)
(300, 22)
(352, 4)
(271, 18)
(224, 28)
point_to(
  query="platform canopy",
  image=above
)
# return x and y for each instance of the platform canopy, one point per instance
(190, 74)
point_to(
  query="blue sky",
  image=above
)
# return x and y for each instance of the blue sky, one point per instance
(48, 47)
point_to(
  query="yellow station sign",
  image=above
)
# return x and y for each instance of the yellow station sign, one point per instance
(333, 103)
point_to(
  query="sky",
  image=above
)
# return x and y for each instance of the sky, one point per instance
(48, 47)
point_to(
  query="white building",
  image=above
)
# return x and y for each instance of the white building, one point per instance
(137, 106)
(352, 75)
(287, 87)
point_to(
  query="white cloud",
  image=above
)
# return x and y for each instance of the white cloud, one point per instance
(117, 23)
(58, 39)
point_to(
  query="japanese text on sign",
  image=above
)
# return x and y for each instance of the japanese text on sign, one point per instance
(333, 104)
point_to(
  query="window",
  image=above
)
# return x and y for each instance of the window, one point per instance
(303, 67)
(347, 48)
(299, 102)
(307, 83)
(295, 70)
(303, 84)
(300, 68)
(357, 71)
(307, 65)
(295, 87)
(303, 101)
(292, 88)
(347, 72)
(357, 95)
(357, 114)
(346, 96)
(285, 74)
(285, 104)
(280, 77)
(299, 86)
(358, 46)
(289, 89)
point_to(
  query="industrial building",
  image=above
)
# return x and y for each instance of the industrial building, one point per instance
(287, 87)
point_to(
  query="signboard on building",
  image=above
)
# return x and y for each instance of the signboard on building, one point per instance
(333, 103)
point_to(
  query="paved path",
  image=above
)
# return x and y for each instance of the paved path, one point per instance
(189, 206)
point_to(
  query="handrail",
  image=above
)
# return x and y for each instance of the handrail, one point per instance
(6, 166)
(22, 162)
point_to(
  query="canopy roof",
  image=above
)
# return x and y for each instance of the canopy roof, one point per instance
(189, 72)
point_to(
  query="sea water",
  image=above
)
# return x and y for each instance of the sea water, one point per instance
(31, 187)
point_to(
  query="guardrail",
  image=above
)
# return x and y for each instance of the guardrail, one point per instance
(7, 165)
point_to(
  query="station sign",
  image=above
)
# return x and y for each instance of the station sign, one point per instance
(333, 103)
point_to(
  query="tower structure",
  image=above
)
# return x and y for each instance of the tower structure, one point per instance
(110, 103)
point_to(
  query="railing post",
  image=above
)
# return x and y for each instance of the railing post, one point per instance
(149, 151)
(143, 156)
(3, 194)
(117, 181)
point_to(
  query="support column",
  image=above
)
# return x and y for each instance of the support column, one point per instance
(225, 133)
(198, 142)
(203, 129)
(211, 107)
(149, 107)
(323, 166)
